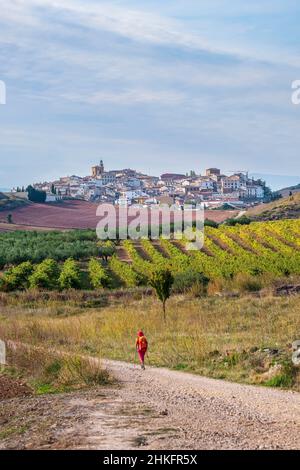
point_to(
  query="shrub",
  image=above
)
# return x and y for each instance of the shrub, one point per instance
(126, 273)
(211, 223)
(247, 283)
(285, 379)
(51, 372)
(17, 278)
(70, 275)
(240, 221)
(189, 279)
(106, 250)
(45, 275)
(97, 274)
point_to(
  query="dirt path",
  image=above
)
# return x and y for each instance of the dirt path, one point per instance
(154, 409)
(202, 413)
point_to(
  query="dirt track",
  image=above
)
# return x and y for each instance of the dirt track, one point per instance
(156, 409)
(204, 413)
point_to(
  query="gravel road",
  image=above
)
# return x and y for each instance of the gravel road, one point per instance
(193, 412)
(154, 409)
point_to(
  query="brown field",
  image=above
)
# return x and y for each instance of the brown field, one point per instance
(69, 215)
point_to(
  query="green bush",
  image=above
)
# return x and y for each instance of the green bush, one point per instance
(285, 379)
(70, 275)
(45, 275)
(211, 223)
(126, 273)
(185, 280)
(106, 249)
(247, 283)
(239, 221)
(17, 278)
(97, 274)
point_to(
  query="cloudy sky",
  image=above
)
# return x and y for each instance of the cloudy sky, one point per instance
(156, 85)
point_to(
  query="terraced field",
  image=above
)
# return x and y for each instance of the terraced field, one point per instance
(272, 247)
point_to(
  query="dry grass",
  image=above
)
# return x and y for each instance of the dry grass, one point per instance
(213, 336)
(287, 205)
(48, 371)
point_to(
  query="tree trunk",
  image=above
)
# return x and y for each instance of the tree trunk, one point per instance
(164, 310)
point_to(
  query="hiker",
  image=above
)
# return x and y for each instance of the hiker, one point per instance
(141, 347)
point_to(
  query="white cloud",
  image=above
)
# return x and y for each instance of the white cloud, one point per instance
(139, 25)
(93, 77)
(128, 97)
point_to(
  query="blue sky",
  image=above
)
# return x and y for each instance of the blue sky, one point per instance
(154, 85)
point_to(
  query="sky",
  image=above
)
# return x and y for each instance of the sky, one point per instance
(159, 86)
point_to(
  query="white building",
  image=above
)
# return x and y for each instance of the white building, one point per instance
(133, 183)
(231, 183)
(252, 191)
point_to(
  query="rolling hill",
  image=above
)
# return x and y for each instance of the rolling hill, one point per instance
(285, 192)
(66, 215)
(10, 202)
(285, 208)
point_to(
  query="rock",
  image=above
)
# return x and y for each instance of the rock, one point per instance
(164, 413)
(296, 358)
(274, 371)
(271, 351)
(296, 345)
(288, 290)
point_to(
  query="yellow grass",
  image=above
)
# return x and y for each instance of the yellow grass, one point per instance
(279, 205)
(213, 336)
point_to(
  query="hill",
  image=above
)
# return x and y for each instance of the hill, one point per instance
(285, 192)
(286, 208)
(69, 214)
(10, 202)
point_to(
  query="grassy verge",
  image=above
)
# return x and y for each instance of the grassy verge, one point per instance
(243, 339)
(46, 371)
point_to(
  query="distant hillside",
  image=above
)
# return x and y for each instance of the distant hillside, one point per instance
(10, 202)
(285, 192)
(276, 182)
(285, 208)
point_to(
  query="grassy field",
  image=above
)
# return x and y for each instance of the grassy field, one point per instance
(237, 330)
(241, 339)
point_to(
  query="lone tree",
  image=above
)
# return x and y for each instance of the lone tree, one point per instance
(162, 281)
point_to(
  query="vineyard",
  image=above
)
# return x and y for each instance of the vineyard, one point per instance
(255, 250)
(269, 247)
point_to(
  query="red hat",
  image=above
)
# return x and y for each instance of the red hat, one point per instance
(140, 333)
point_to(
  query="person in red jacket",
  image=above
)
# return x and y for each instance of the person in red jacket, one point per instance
(141, 347)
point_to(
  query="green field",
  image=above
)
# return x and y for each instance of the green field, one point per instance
(261, 250)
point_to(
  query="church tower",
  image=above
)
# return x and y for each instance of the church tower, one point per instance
(98, 170)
